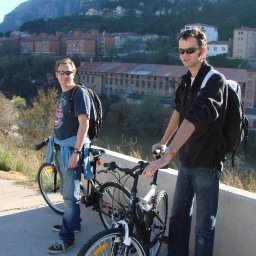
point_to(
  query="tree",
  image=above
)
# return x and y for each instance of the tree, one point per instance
(9, 114)
(38, 120)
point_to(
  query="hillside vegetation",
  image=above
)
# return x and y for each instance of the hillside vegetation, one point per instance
(226, 15)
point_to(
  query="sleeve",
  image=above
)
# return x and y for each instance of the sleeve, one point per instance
(82, 103)
(208, 103)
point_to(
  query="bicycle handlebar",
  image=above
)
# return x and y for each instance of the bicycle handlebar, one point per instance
(136, 170)
(42, 144)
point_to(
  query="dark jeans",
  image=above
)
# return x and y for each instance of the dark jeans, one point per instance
(70, 180)
(204, 184)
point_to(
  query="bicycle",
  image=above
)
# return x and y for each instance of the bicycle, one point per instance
(141, 227)
(106, 198)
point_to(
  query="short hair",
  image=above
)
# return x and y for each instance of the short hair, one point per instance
(197, 33)
(65, 61)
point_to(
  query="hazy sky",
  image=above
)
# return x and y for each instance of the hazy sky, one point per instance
(7, 6)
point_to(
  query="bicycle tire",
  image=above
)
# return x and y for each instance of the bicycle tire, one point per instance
(109, 242)
(161, 208)
(113, 201)
(49, 185)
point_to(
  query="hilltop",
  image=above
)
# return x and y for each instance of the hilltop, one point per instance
(164, 17)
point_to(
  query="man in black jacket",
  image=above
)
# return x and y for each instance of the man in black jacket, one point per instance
(196, 139)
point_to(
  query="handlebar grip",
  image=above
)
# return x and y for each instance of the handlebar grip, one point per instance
(39, 146)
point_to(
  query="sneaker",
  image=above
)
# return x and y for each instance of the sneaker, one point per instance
(57, 228)
(60, 247)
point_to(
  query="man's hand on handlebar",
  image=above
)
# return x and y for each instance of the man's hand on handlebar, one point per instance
(159, 146)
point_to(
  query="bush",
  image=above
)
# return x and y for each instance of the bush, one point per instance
(6, 160)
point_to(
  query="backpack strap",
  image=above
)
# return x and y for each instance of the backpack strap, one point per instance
(207, 77)
(71, 100)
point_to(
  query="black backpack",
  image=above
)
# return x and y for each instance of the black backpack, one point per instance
(96, 114)
(235, 126)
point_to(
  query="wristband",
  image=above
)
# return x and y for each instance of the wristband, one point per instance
(172, 154)
(76, 151)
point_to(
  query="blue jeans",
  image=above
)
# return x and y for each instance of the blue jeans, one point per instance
(204, 184)
(70, 180)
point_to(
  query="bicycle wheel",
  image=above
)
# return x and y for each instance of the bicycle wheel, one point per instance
(159, 223)
(49, 184)
(109, 242)
(113, 202)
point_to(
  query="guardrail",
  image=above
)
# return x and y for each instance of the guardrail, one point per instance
(235, 228)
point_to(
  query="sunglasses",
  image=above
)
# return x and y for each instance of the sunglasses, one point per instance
(67, 73)
(188, 50)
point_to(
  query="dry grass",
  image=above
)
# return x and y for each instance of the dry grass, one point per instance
(239, 176)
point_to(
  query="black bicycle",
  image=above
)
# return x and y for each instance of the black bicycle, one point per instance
(139, 230)
(108, 198)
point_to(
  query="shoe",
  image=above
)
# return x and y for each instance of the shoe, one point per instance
(60, 247)
(57, 228)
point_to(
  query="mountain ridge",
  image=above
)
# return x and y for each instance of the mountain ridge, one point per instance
(164, 17)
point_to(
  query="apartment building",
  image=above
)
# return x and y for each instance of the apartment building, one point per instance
(106, 43)
(27, 44)
(219, 47)
(82, 44)
(125, 79)
(210, 31)
(244, 44)
(46, 44)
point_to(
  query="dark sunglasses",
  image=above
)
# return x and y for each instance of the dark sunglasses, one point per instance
(188, 50)
(67, 73)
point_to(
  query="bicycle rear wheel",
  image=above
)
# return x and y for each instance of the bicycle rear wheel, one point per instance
(109, 242)
(159, 222)
(49, 184)
(113, 202)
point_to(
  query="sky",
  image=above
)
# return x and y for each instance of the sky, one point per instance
(7, 6)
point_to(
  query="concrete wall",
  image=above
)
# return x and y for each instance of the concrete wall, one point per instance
(236, 221)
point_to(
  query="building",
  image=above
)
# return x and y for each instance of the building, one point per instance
(46, 44)
(125, 79)
(122, 38)
(210, 31)
(244, 44)
(106, 44)
(218, 47)
(82, 44)
(27, 44)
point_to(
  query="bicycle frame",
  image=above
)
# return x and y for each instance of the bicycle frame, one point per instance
(140, 216)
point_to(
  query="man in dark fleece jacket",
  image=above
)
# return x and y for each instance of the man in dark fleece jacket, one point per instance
(196, 139)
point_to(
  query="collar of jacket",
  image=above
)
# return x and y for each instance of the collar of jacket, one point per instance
(204, 69)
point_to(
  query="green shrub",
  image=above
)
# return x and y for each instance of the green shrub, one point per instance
(6, 160)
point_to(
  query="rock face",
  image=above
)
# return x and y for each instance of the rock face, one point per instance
(38, 9)
(51, 9)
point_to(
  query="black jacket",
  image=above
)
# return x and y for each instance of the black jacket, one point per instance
(202, 107)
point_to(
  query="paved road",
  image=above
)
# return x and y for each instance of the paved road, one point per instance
(26, 221)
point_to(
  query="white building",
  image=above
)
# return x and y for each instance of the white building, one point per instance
(217, 47)
(210, 31)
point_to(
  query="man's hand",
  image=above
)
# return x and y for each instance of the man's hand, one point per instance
(73, 161)
(155, 165)
(160, 146)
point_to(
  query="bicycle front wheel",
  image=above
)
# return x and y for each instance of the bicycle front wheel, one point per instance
(49, 184)
(113, 203)
(159, 221)
(110, 242)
